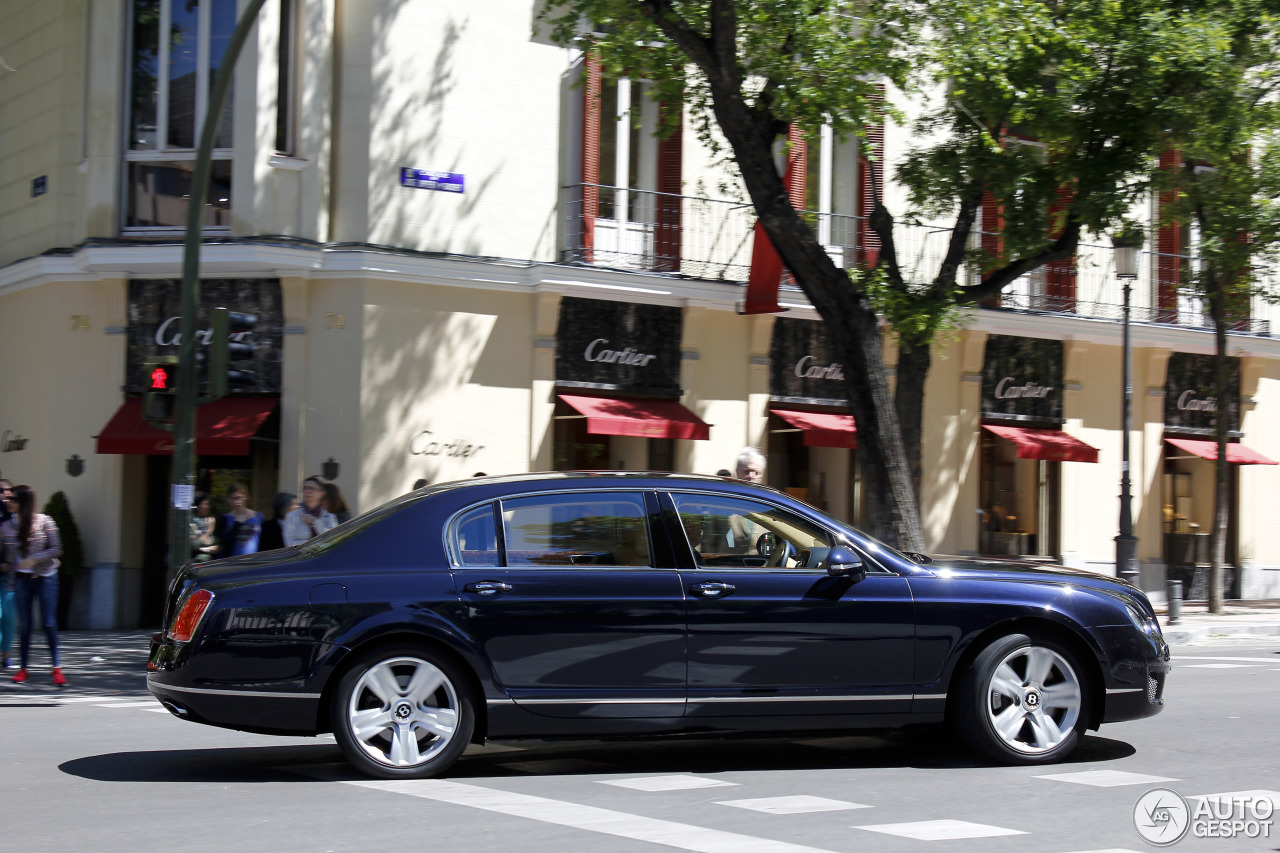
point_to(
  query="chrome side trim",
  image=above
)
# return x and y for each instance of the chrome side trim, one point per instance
(257, 694)
(1111, 691)
(598, 701)
(798, 698)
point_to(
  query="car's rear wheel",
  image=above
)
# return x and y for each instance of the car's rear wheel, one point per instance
(1024, 701)
(402, 713)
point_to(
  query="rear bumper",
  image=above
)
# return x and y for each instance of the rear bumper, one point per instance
(196, 693)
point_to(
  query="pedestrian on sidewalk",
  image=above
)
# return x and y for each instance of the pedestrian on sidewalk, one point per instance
(239, 530)
(311, 518)
(32, 547)
(8, 599)
(273, 528)
(334, 502)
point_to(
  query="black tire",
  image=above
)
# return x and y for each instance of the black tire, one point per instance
(413, 708)
(1037, 720)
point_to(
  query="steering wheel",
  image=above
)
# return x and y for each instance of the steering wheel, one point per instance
(782, 552)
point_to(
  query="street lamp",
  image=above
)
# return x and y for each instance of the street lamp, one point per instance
(1126, 248)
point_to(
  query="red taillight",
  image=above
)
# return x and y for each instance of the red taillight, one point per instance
(193, 610)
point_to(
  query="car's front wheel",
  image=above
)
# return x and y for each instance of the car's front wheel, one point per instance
(402, 713)
(1024, 701)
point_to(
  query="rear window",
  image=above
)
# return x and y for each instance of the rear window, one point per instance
(598, 528)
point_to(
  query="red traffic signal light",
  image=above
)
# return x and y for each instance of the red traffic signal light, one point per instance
(160, 390)
(162, 378)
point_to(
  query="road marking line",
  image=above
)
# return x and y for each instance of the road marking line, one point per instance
(149, 703)
(680, 782)
(798, 804)
(1106, 778)
(941, 830)
(605, 821)
(1181, 658)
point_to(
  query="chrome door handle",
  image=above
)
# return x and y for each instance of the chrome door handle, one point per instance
(488, 587)
(712, 589)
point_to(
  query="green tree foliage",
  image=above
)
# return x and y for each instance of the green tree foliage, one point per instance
(1056, 111)
(59, 509)
(1227, 185)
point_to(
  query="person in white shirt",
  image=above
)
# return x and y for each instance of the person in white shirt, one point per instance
(310, 518)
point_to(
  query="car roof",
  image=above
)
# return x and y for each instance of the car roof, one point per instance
(594, 478)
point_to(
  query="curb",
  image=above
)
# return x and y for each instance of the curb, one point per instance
(1181, 634)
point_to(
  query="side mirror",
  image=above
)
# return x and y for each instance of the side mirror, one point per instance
(766, 543)
(843, 563)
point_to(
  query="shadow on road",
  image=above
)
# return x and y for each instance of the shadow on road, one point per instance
(323, 761)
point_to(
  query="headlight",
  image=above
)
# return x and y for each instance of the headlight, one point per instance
(1141, 621)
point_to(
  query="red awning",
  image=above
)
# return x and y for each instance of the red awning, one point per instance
(1051, 445)
(822, 429)
(639, 417)
(1236, 453)
(223, 428)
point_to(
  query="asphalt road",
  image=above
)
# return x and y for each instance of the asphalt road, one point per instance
(101, 767)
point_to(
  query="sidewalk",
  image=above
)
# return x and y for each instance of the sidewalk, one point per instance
(1238, 619)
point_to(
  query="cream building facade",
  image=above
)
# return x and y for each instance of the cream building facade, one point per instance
(411, 330)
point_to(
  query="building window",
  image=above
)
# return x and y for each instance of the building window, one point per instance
(176, 50)
(828, 182)
(287, 75)
(631, 176)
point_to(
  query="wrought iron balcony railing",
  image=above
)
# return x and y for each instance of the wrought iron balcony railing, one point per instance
(711, 239)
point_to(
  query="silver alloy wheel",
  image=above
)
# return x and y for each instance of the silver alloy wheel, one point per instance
(1034, 700)
(403, 712)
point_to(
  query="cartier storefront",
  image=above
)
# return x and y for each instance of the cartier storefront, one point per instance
(1023, 448)
(618, 387)
(812, 436)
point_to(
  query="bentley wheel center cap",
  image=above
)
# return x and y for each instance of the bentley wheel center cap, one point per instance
(1032, 700)
(403, 711)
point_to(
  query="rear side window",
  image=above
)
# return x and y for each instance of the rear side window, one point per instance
(598, 528)
(476, 538)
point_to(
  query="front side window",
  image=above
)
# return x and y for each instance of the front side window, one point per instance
(591, 529)
(177, 48)
(733, 532)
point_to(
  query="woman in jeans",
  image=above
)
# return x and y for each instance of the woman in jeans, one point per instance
(32, 547)
(8, 600)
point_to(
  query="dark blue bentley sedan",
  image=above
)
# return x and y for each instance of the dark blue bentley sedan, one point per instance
(592, 604)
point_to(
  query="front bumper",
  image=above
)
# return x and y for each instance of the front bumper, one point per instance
(1139, 669)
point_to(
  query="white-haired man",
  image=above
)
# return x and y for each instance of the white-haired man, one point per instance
(750, 466)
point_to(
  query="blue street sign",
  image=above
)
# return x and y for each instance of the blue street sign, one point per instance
(425, 179)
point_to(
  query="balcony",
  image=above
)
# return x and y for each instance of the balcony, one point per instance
(711, 239)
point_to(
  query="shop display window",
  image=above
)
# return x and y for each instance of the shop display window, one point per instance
(1018, 509)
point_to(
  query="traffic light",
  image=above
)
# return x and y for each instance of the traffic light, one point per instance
(160, 390)
(223, 351)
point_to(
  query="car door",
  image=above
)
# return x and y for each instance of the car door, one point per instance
(575, 602)
(770, 632)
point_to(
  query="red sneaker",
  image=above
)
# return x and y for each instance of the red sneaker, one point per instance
(20, 676)
(58, 678)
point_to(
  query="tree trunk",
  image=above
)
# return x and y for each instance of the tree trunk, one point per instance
(751, 130)
(914, 361)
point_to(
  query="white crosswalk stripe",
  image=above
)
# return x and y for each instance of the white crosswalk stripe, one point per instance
(941, 830)
(681, 836)
(798, 804)
(666, 783)
(1106, 778)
